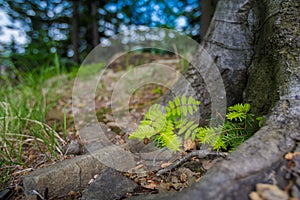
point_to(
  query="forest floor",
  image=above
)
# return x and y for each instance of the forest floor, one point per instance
(57, 92)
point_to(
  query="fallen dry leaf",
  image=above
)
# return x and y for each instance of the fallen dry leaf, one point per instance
(271, 192)
(31, 158)
(71, 193)
(189, 145)
(163, 165)
(165, 186)
(254, 196)
(137, 167)
(290, 155)
(153, 185)
(183, 177)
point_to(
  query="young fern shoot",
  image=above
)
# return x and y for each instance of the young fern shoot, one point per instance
(165, 126)
(160, 124)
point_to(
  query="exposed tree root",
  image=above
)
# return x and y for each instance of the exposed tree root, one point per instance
(198, 153)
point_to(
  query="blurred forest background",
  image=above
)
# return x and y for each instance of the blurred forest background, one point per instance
(71, 29)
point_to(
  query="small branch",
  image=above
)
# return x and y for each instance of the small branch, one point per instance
(39, 196)
(156, 155)
(198, 153)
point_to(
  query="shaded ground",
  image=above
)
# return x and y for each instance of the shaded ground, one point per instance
(145, 96)
(140, 100)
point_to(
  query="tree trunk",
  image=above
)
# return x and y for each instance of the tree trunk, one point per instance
(206, 15)
(95, 24)
(255, 45)
(229, 43)
(75, 30)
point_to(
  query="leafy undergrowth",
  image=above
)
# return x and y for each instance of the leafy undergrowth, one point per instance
(164, 125)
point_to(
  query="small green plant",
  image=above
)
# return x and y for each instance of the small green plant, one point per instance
(160, 124)
(24, 103)
(237, 128)
(157, 90)
(164, 126)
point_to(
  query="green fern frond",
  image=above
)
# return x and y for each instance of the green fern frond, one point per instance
(177, 101)
(177, 105)
(142, 132)
(187, 127)
(160, 125)
(171, 109)
(236, 116)
(180, 122)
(241, 108)
(178, 108)
(155, 118)
(238, 112)
(154, 112)
(169, 140)
(260, 121)
(229, 127)
(191, 131)
(183, 100)
(233, 140)
(249, 120)
(169, 126)
(219, 143)
(207, 135)
(184, 109)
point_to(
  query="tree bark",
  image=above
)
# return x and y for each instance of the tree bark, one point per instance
(272, 81)
(206, 15)
(75, 32)
(95, 24)
(229, 43)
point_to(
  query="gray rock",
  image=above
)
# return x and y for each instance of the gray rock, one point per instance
(61, 178)
(73, 148)
(111, 184)
(75, 174)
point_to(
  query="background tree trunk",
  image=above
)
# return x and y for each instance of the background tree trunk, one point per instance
(206, 15)
(272, 80)
(95, 23)
(75, 32)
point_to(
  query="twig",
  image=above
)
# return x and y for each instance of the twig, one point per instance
(198, 153)
(156, 155)
(39, 196)
(22, 171)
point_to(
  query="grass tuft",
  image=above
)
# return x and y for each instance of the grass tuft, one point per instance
(23, 128)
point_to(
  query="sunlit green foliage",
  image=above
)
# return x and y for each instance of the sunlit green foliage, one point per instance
(236, 129)
(161, 124)
(165, 126)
